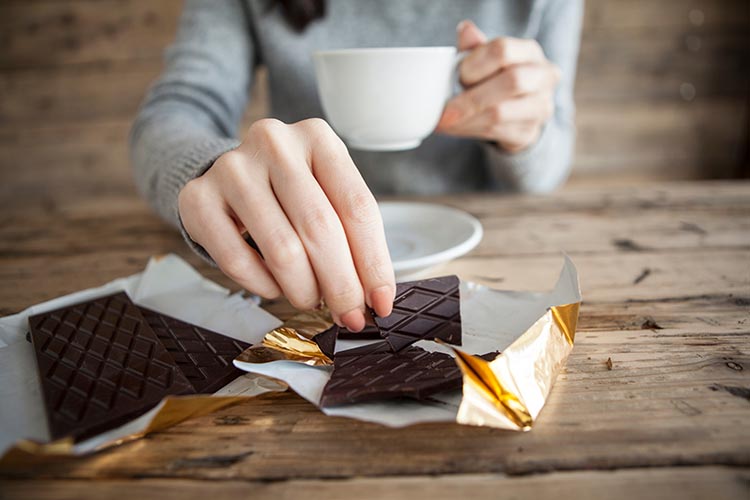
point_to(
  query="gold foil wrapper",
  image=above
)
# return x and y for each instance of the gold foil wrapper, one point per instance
(510, 391)
(173, 410)
(293, 341)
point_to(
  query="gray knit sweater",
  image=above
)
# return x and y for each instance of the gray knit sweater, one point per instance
(191, 114)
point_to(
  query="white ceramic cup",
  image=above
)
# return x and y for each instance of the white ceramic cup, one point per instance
(385, 99)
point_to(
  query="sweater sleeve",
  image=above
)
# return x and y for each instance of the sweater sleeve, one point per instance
(545, 165)
(191, 113)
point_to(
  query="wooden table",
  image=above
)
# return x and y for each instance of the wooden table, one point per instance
(665, 273)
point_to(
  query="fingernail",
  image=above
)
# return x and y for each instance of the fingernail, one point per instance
(354, 320)
(461, 25)
(381, 299)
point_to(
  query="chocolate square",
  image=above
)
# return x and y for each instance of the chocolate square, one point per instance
(96, 363)
(204, 357)
(424, 310)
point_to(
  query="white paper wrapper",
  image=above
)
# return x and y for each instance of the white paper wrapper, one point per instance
(491, 321)
(168, 285)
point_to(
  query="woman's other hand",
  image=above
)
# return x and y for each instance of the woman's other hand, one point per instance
(296, 191)
(509, 92)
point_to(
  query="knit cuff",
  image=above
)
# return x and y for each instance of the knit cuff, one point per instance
(193, 162)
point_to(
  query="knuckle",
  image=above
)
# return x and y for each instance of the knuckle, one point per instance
(266, 127)
(303, 302)
(378, 269)
(235, 267)
(319, 223)
(498, 113)
(232, 166)
(316, 125)
(283, 251)
(361, 208)
(497, 48)
(516, 80)
(191, 194)
(344, 297)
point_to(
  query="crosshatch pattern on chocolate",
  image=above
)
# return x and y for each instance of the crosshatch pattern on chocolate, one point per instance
(100, 365)
(374, 372)
(204, 357)
(424, 310)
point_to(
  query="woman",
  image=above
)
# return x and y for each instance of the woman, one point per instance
(292, 184)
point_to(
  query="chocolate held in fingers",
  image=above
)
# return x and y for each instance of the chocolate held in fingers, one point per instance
(424, 310)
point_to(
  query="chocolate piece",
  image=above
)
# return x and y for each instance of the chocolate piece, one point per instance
(100, 365)
(374, 372)
(424, 310)
(203, 356)
(327, 340)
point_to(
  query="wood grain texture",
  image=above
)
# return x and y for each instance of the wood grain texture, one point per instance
(661, 87)
(664, 269)
(678, 339)
(717, 483)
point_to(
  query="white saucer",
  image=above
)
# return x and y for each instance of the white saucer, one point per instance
(423, 235)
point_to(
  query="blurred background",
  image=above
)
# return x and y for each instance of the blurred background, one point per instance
(662, 91)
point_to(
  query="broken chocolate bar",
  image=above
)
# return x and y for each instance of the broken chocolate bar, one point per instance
(100, 365)
(374, 372)
(203, 356)
(423, 310)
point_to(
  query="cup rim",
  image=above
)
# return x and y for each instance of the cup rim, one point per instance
(376, 50)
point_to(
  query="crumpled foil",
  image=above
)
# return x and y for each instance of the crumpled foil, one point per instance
(534, 332)
(293, 341)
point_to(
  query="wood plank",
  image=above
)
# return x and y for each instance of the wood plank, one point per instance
(665, 402)
(678, 339)
(614, 71)
(52, 33)
(680, 140)
(629, 67)
(45, 32)
(698, 483)
(672, 141)
(667, 15)
(524, 238)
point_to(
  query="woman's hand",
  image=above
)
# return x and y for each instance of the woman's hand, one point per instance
(509, 90)
(296, 191)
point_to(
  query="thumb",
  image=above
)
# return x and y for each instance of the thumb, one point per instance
(468, 35)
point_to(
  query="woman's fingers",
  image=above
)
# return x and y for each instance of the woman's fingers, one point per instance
(358, 212)
(512, 122)
(297, 192)
(252, 200)
(207, 222)
(488, 59)
(493, 93)
(322, 234)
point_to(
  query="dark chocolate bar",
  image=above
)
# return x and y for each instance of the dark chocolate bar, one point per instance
(100, 365)
(374, 372)
(423, 310)
(203, 356)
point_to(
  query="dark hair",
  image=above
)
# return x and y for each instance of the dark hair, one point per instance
(300, 13)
